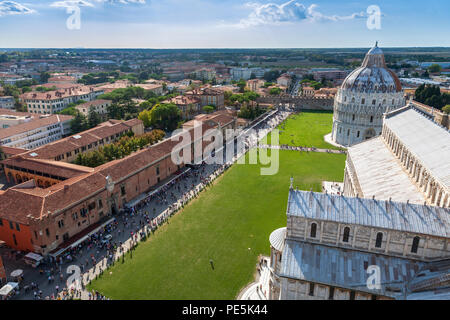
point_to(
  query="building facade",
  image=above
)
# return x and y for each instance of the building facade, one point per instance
(7, 102)
(44, 219)
(332, 244)
(36, 132)
(99, 106)
(402, 164)
(365, 95)
(55, 101)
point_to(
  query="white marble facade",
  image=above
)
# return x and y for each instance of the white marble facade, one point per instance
(365, 95)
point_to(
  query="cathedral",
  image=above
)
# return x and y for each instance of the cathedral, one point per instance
(365, 95)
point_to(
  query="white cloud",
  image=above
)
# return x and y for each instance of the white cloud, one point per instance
(291, 11)
(85, 3)
(13, 8)
(71, 3)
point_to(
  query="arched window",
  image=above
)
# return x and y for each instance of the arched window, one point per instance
(353, 99)
(371, 119)
(415, 244)
(379, 240)
(346, 235)
(313, 230)
(353, 117)
(363, 101)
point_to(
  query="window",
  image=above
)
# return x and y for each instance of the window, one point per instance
(363, 101)
(157, 170)
(91, 206)
(11, 225)
(1, 222)
(47, 232)
(14, 239)
(357, 134)
(17, 227)
(61, 224)
(122, 190)
(415, 244)
(100, 203)
(313, 230)
(353, 117)
(348, 132)
(311, 289)
(346, 235)
(371, 119)
(374, 102)
(379, 240)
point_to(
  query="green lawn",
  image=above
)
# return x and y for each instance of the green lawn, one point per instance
(307, 129)
(229, 223)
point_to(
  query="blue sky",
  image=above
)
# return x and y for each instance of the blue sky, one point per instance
(223, 23)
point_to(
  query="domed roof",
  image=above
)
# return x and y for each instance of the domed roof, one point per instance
(276, 239)
(373, 76)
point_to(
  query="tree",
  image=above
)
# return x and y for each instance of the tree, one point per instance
(43, 78)
(275, 91)
(208, 109)
(242, 84)
(79, 123)
(435, 68)
(93, 118)
(165, 116)
(145, 117)
(446, 109)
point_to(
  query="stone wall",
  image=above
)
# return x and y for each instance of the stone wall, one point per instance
(364, 238)
(299, 103)
(293, 289)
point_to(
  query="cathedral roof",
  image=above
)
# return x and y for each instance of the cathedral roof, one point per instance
(373, 76)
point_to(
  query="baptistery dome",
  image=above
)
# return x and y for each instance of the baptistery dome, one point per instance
(365, 95)
(373, 75)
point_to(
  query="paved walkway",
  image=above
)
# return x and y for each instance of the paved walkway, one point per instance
(332, 187)
(306, 149)
(258, 290)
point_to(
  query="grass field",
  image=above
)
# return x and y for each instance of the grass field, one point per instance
(229, 223)
(307, 129)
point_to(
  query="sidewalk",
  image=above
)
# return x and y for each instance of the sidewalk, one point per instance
(258, 290)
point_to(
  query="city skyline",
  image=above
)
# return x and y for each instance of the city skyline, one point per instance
(174, 24)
